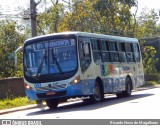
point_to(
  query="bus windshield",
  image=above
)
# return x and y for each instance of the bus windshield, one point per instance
(50, 57)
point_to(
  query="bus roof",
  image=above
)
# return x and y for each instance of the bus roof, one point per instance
(86, 34)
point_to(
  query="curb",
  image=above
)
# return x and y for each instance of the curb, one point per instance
(71, 100)
(18, 109)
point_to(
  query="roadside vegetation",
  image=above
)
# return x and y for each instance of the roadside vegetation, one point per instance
(15, 102)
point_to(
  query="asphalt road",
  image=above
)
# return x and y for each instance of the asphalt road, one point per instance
(141, 105)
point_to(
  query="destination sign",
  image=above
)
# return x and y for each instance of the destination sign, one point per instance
(52, 44)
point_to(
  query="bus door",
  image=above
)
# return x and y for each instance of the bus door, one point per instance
(85, 61)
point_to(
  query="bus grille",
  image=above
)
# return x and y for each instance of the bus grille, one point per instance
(53, 87)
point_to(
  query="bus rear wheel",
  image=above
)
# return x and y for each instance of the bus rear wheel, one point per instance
(52, 103)
(98, 94)
(128, 89)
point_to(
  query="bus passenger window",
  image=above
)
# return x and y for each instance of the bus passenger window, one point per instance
(96, 51)
(129, 57)
(136, 52)
(106, 57)
(114, 51)
(105, 51)
(129, 52)
(85, 54)
(122, 54)
(114, 56)
(122, 57)
(137, 57)
(113, 46)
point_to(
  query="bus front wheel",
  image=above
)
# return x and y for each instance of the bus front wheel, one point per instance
(98, 95)
(52, 103)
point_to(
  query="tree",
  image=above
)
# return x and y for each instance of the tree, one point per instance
(100, 16)
(149, 61)
(147, 27)
(10, 39)
(49, 21)
(116, 14)
(147, 24)
(80, 17)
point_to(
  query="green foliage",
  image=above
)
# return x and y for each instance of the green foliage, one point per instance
(10, 39)
(49, 21)
(16, 102)
(99, 16)
(149, 60)
(149, 83)
(116, 14)
(81, 17)
(147, 26)
(152, 77)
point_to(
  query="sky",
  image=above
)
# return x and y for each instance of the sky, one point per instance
(11, 6)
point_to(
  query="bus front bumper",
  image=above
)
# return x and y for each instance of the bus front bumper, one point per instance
(69, 92)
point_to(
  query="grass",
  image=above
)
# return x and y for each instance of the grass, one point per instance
(150, 83)
(16, 102)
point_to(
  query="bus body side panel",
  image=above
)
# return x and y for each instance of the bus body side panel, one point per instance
(75, 90)
(88, 86)
(31, 94)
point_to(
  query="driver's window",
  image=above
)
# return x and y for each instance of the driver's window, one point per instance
(84, 52)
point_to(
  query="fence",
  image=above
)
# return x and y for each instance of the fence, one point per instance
(10, 88)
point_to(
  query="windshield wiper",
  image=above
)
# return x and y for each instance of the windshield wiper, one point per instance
(55, 60)
(40, 66)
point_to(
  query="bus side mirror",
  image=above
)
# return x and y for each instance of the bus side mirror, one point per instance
(15, 59)
(19, 49)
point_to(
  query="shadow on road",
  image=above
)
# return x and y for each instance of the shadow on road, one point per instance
(87, 106)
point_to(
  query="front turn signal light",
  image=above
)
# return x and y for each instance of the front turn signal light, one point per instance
(76, 80)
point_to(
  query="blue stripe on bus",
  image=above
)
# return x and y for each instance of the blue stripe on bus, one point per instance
(31, 94)
(82, 88)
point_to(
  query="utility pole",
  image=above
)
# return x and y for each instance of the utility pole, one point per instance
(33, 18)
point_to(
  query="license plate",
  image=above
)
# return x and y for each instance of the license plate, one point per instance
(50, 93)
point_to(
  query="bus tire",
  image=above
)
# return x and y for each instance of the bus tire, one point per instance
(52, 103)
(98, 94)
(128, 90)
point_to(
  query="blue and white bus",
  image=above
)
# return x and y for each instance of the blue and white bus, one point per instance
(80, 64)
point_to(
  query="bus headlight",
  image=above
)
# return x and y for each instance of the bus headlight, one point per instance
(27, 86)
(76, 80)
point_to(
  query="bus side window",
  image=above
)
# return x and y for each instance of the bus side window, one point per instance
(84, 53)
(129, 52)
(136, 52)
(96, 51)
(114, 51)
(122, 54)
(105, 51)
